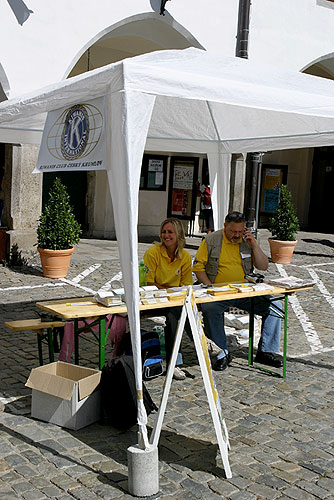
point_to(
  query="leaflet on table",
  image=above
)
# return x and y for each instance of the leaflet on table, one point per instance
(152, 293)
(221, 290)
(290, 282)
(252, 287)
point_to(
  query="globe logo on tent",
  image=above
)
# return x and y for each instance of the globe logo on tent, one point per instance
(76, 132)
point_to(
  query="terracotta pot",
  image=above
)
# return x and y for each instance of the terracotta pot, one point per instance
(281, 251)
(55, 263)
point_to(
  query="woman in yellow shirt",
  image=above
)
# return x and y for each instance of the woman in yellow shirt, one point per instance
(169, 265)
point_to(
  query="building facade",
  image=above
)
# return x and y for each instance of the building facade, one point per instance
(43, 43)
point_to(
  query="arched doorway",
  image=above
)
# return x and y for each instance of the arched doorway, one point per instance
(322, 183)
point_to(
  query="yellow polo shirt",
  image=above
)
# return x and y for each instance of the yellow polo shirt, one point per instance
(229, 265)
(165, 272)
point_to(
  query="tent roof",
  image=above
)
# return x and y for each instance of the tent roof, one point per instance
(201, 97)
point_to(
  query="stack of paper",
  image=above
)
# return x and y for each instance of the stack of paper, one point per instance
(176, 295)
(108, 299)
(290, 282)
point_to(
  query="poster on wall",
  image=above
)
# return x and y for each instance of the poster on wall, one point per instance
(153, 173)
(74, 138)
(182, 187)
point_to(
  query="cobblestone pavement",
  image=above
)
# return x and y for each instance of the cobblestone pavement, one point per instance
(281, 430)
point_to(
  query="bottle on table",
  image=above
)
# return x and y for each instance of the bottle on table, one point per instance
(142, 274)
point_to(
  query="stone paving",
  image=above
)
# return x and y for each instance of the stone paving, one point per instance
(281, 430)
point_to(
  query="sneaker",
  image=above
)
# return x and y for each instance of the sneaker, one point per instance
(179, 374)
(269, 358)
(213, 348)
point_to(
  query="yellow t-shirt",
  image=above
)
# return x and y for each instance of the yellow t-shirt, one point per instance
(229, 265)
(165, 272)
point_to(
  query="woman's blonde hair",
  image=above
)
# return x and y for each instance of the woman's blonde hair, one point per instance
(181, 240)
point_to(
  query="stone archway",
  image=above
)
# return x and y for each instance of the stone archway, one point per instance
(130, 37)
(322, 66)
(4, 85)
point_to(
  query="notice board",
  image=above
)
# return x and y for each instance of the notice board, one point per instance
(182, 187)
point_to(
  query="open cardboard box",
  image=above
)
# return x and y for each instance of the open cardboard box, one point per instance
(65, 394)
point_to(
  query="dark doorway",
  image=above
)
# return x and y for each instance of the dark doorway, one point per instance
(321, 202)
(76, 184)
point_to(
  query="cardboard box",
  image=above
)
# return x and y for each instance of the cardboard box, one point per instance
(65, 394)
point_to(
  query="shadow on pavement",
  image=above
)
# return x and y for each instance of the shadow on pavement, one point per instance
(327, 243)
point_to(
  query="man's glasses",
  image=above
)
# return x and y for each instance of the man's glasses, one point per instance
(235, 216)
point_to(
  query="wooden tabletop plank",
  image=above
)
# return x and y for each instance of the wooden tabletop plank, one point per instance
(76, 308)
(73, 311)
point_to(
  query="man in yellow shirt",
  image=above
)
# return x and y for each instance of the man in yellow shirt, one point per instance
(225, 256)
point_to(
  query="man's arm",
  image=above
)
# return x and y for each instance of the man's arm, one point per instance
(260, 260)
(200, 263)
(203, 277)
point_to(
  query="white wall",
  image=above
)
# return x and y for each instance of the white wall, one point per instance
(286, 33)
(291, 33)
(41, 50)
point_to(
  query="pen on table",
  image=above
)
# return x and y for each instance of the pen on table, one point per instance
(80, 303)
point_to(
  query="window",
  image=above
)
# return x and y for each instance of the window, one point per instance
(153, 173)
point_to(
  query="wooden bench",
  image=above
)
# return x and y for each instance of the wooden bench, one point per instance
(38, 326)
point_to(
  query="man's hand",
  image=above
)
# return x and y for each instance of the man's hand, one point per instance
(249, 237)
(260, 259)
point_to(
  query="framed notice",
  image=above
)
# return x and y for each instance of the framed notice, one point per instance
(182, 187)
(153, 173)
(273, 176)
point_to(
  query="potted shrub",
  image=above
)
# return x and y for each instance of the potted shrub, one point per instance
(57, 233)
(283, 227)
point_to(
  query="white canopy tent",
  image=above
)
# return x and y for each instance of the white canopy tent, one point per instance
(191, 101)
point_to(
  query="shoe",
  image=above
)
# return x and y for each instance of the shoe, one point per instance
(213, 349)
(221, 364)
(269, 358)
(179, 374)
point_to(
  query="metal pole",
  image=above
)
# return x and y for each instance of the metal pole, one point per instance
(243, 29)
(252, 209)
(255, 158)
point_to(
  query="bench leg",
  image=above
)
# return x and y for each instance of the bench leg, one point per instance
(50, 344)
(76, 342)
(40, 350)
(102, 341)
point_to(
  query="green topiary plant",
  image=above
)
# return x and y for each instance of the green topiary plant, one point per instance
(284, 224)
(58, 228)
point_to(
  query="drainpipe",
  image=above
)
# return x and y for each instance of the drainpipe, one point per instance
(253, 159)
